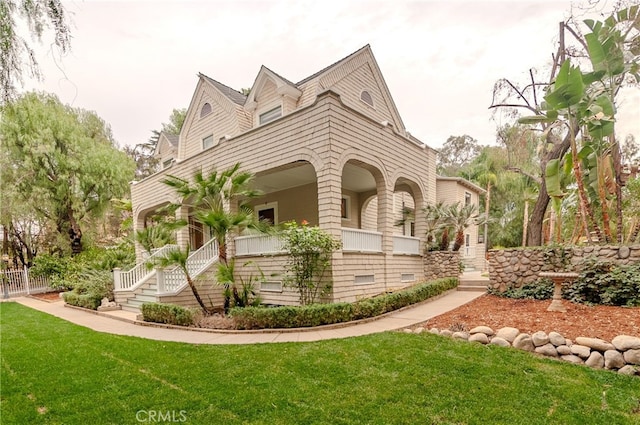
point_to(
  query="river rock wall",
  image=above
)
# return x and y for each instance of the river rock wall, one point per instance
(509, 268)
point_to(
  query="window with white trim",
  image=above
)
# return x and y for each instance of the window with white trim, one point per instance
(206, 110)
(467, 198)
(268, 212)
(167, 163)
(207, 142)
(270, 115)
(366, 97)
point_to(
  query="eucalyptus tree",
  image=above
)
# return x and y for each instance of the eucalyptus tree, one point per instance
(62, 162)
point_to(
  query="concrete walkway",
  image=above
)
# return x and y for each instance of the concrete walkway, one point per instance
(124, 323)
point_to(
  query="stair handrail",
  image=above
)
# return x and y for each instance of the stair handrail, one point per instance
(174, 280)
(131, 279)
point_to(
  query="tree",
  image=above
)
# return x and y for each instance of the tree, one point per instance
(578, 109)
(214, 199)
(62, 161)
(455, 153)
(16, 55)
(460, 217)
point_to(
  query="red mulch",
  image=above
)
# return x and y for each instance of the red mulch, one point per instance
(604, 322)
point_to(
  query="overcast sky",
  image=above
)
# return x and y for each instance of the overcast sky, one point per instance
(134, 61)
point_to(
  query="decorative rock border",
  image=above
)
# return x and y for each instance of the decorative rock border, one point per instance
(622, 354)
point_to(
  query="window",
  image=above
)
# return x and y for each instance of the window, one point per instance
(206, 110)
(207, 142)
(167, 163)
(271, 286)
(268, 212)
(467, 198)
(271, 115)
(365, 96)
(345, 207)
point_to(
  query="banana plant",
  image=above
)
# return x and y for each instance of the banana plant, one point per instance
(586, 100)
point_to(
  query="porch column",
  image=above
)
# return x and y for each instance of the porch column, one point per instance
(329, 201)
(138, 224)
(385, 216)
(182, 235)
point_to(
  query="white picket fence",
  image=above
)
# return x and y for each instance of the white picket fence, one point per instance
(21, 282)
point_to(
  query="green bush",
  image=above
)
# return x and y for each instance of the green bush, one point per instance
(90, 301)
(541, 289)
(325, 314)
(603, 282)
(169, 314)
(89, 288)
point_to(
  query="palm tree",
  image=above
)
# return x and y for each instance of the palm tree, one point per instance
(214, 199)
(435, 220)
(460, 218)
(178, 257)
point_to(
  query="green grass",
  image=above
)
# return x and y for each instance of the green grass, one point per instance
(56, 372)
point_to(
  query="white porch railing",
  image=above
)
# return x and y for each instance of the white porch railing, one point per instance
(173, 280)
(131, 279)
(258, 245)
(406, 245)
(361, 240)
(21, 282)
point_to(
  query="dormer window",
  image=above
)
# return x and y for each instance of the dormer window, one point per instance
(271, 115)
(206, 110)
(365, 96)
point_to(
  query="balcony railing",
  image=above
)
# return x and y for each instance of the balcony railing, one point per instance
(357, 240)
(258, 245)
(406, 245)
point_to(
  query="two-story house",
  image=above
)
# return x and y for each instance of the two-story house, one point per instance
(330, 149)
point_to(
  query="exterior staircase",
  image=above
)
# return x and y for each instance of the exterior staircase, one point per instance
(471, 280)
(142, 285)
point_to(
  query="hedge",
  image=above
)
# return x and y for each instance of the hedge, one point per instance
(169, 314)
(91, 300)
(326, 314)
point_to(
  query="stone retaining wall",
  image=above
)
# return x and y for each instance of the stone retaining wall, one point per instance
(622, 354)
(440, 264)
(515, 267)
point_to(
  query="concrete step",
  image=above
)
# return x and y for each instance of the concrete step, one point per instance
(133, 309)
(474, 282)
(472, 288)
(145, 298)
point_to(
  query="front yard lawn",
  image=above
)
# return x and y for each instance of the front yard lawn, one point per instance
(60, 373)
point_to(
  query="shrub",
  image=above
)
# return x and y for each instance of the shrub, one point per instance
(89, 301)
(603, 282)
(169, 314)
(90, 288)
(325, 314)
(541, 289)
(310, 250)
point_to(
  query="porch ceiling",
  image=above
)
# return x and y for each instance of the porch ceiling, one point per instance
(354, 178)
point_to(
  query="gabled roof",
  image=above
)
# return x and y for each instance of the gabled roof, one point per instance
(233, 95)
(171, 138)
(462, 182)
(283, 85)
(328, 68)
